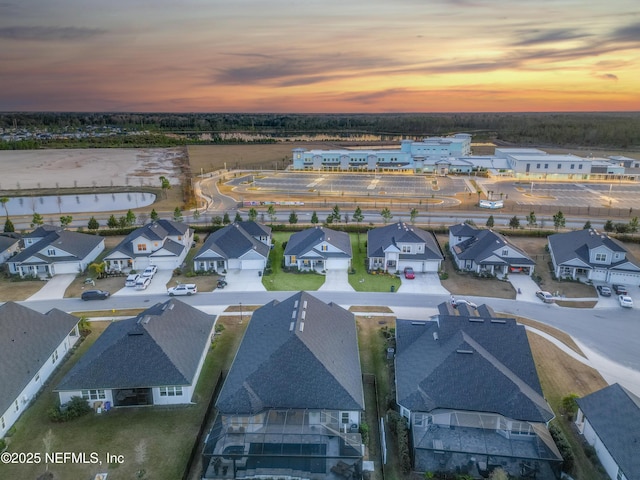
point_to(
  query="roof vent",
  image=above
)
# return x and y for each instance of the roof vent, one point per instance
(171, 305)
(302, 326)
(435, 336)
(476, 320)
(294, 313)
(304, 312)
(292, 326)
(498, 320)
(418, 323)
(304, 305)
(466, 352)
(295, 305)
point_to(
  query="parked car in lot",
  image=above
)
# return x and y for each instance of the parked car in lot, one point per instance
(620, 289)
(131, 280)
(183, 289)
(604, 290)
(409, 273)
(142, 283)
(546, 297)
(150, 271)
(222, 282)
(95, 295)
(625, 301)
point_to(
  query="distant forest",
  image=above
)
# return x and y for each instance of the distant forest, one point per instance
(620, 130)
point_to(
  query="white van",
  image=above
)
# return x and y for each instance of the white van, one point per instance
(131, 280)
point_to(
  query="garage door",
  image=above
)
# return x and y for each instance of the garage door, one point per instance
(417, 266)
(624, 278)
(337, 264)
(252, 264)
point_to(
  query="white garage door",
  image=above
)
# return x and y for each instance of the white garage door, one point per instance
(337, 263)
(252, 264)
(417, 266)
(624, 278)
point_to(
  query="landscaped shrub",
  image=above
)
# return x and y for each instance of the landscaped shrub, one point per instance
(563, 446)
(76, 407)
(570, 406)
(364, 431)
(398, 426)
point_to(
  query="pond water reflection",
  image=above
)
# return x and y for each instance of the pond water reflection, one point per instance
(82, 203)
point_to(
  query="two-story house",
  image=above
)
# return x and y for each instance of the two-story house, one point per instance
(292, 403)
(241, 245)
(318, 248)
(163, 243)
(394, 247)
(486, 251)
(50, 250)
(589, 255)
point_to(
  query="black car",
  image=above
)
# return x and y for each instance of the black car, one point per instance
(95, 295)
(221, 282)
(620, 289)
(604, 290)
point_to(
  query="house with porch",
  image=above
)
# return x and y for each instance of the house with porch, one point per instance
(468, 387)
(292, 403)
(32, 346)
(51, 250)
(154, 358)
(394, 247)
(484, 251)
(318, 248)
(241, 245)
(588, 255)
(615, 437)
(163, 243)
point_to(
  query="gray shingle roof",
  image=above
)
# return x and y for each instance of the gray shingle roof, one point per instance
(378, 239)
(463, 230)
(470, 355)
(231, 241)
(614, 414)
(158, 230)
(7, 242)
(28, 340)
(161, 346)
(78, 245)
(295, 357)
(255, 229)
(481, 249)
(301, 243)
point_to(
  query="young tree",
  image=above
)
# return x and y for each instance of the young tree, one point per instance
(314, 218)
(65, 220)
(271, 211)
(225, 219)
(293, 218)
(4, 201)
(559, 220)
(196, 214)
(154, 215)
(336, 214)
(587, 225)
(8, 226)
(216, 220)
(608, 226)
(253, 214)
(412, 215)
(358, 216)
(177, 214)
(490, 221)
(112, 222)
(122, 222)
(514, 223)
(36, 220)
(238, 217)
(386, 215)
(93, 224)
(531, 219)
(633, 225)
(130, 218)
(165, 185)
(329, 219)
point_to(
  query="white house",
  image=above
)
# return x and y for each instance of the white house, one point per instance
(32, 346)
(142, 360)
(9, 246)
(50, 250)
(163, 243)
(318, 248)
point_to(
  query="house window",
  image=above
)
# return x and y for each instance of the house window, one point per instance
(54, 357)
(406, 249)
(171, 391)
(573, 166)
(601, 257)
(345, 417)
(51, 252)
(17, 406)
(559, 166)
(142, 247)
(538, 166)
(505, 252)
(293, 259)
(580, 167)
(93, 394)
(418, 420)
(37, 379)
(546, 165)
(324, 248)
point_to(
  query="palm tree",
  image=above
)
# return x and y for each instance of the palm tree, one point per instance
(3, 201)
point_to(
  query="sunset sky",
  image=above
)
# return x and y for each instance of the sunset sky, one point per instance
(319, 55)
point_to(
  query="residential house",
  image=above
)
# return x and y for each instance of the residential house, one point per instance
(152, 359)
(163, 243)
(589, 255)
(469, 389)
(485, 251)
(32, 346)
(50, 250)
(241, 245)
(609, 420)
(9, 246)
(292, 403)
(318, 248)
(394, 247)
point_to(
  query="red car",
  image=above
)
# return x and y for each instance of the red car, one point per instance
(408, 273)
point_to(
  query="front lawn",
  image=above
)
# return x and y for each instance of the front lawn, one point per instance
(361, 280)
(287, 281)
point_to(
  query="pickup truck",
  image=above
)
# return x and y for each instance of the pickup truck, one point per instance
(183, 289)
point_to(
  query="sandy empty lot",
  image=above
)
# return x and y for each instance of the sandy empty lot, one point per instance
(102, 167)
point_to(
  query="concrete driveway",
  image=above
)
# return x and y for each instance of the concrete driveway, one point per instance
(243, 281)
(423, 283)
(158, 285)
(54, 288)
(527, 286)
(336, 281)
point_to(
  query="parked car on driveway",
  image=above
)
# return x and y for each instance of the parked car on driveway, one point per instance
(409, 273)
(604, 290)
(150, 271)
(142, 283)
(546, 297)
(462, 301)
(625, 301)
(183, 289)
(95, 295)
(222, 282)
(131, 280)
(620, 289)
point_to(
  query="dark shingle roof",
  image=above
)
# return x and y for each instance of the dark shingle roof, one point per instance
(161, 346)
(295, 357)
(301, 243)
(158, 230)
(77, 245)
(255, 229)
(614, 414)
(7, 242)
(482, 246)
(468, 356)
(463, 230)
(231, 241)
(378, 239)
(28, 340)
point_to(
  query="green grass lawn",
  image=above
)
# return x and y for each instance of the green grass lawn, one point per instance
(279, 280)
(361, 281)
(154, 441)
